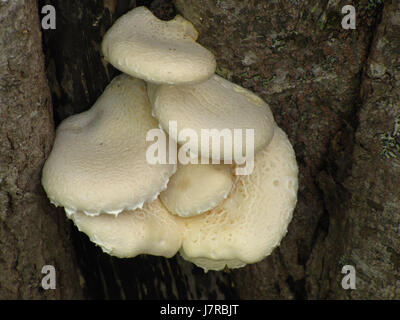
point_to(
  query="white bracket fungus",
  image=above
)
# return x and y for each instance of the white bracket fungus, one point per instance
(242, 229)
(217, 105)
(197, 188)
(251, 222)
(150, 230)
(157, 51)
(98, 163)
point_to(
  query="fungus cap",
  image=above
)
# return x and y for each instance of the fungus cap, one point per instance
(214, 105)
(251, 222)
(157, 51)
(196, 188)
(150, 230)
(98, 161)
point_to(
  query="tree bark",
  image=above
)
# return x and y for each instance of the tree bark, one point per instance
(297, 56)
(32, 235)
(334, 91)
(371, 224)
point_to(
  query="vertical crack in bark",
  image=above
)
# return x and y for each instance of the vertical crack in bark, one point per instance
(331, 180)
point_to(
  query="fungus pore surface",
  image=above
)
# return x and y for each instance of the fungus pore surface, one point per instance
(98, 162)
(251, 222)
(213, 107)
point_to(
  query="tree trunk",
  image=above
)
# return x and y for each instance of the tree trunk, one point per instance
(371, 216)
(334, 91)
(32, 235)
(334, 95)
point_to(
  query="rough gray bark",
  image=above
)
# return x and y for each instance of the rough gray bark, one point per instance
(371, 214)
(296, 55)
(31, 233)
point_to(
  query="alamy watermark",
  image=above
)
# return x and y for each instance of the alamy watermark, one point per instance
(49, 280)
(164, 150)
(49, 18)
(349, 280)
(349, 20)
